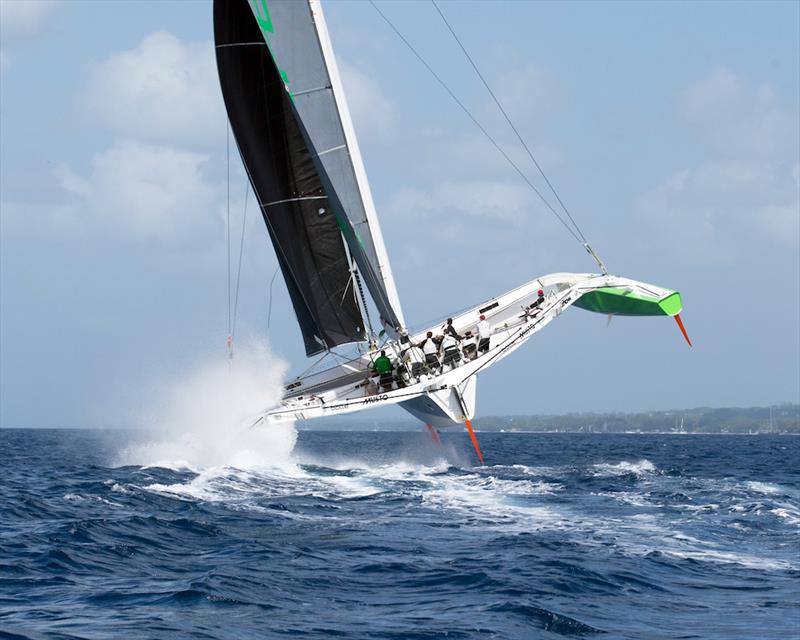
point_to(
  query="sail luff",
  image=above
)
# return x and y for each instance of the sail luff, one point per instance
(371, 215)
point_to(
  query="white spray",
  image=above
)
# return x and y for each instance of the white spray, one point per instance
(201, 420)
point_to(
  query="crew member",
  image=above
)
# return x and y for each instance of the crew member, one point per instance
(484, 333)
(430, 348)
(468, 346)
(414, 361)
(451, 356)
(536, 304)
(449, 330)
(383, 367)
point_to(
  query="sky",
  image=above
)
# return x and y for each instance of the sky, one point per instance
(670, 130)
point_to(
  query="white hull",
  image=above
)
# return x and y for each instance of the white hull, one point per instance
(448, 397)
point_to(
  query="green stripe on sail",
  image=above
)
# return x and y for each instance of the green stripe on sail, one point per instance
(261, 13)
(622, 302)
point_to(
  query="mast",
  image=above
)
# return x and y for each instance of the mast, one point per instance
(384, 267)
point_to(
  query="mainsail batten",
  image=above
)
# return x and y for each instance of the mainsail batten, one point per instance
(299, 44)
(296, 204)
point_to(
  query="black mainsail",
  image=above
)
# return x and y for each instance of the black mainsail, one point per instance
(277, 70)
(295, 205)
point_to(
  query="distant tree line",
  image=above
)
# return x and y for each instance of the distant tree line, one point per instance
(783, 418)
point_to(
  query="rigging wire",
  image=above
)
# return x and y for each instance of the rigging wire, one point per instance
(313, 364)
(508, 119)
(585, 242)
(228, 230)
(477, 123)
(241, 253)
(269, 307)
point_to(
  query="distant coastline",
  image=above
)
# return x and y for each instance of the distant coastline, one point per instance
(784, 418)
(778, 419)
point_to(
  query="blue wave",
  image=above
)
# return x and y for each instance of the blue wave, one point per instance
(385, 535)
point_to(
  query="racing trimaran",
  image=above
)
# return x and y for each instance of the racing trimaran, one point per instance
(290, 119)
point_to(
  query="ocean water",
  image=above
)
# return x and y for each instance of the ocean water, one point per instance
(387, 535)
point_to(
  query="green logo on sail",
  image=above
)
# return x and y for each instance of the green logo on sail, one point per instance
(261, 13)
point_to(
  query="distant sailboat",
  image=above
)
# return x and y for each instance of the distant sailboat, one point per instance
(290, 119)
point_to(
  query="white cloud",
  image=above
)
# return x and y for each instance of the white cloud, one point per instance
(483, 200)
(738, 119)
(466, 199)
(718, 210)
(528, 94)
(463, 155)
(143, 193)
(491, 214)
(744, 198)
(374, 115)
(19, 21)
(23, 18)
(465, 240)
(163, 91)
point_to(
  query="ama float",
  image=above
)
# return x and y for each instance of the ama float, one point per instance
(291, 123)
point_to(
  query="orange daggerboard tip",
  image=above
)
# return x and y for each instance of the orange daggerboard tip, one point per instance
(474, 441)
(677, 317)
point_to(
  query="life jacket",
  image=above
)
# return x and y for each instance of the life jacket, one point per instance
(449, 342)
(428, 346)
